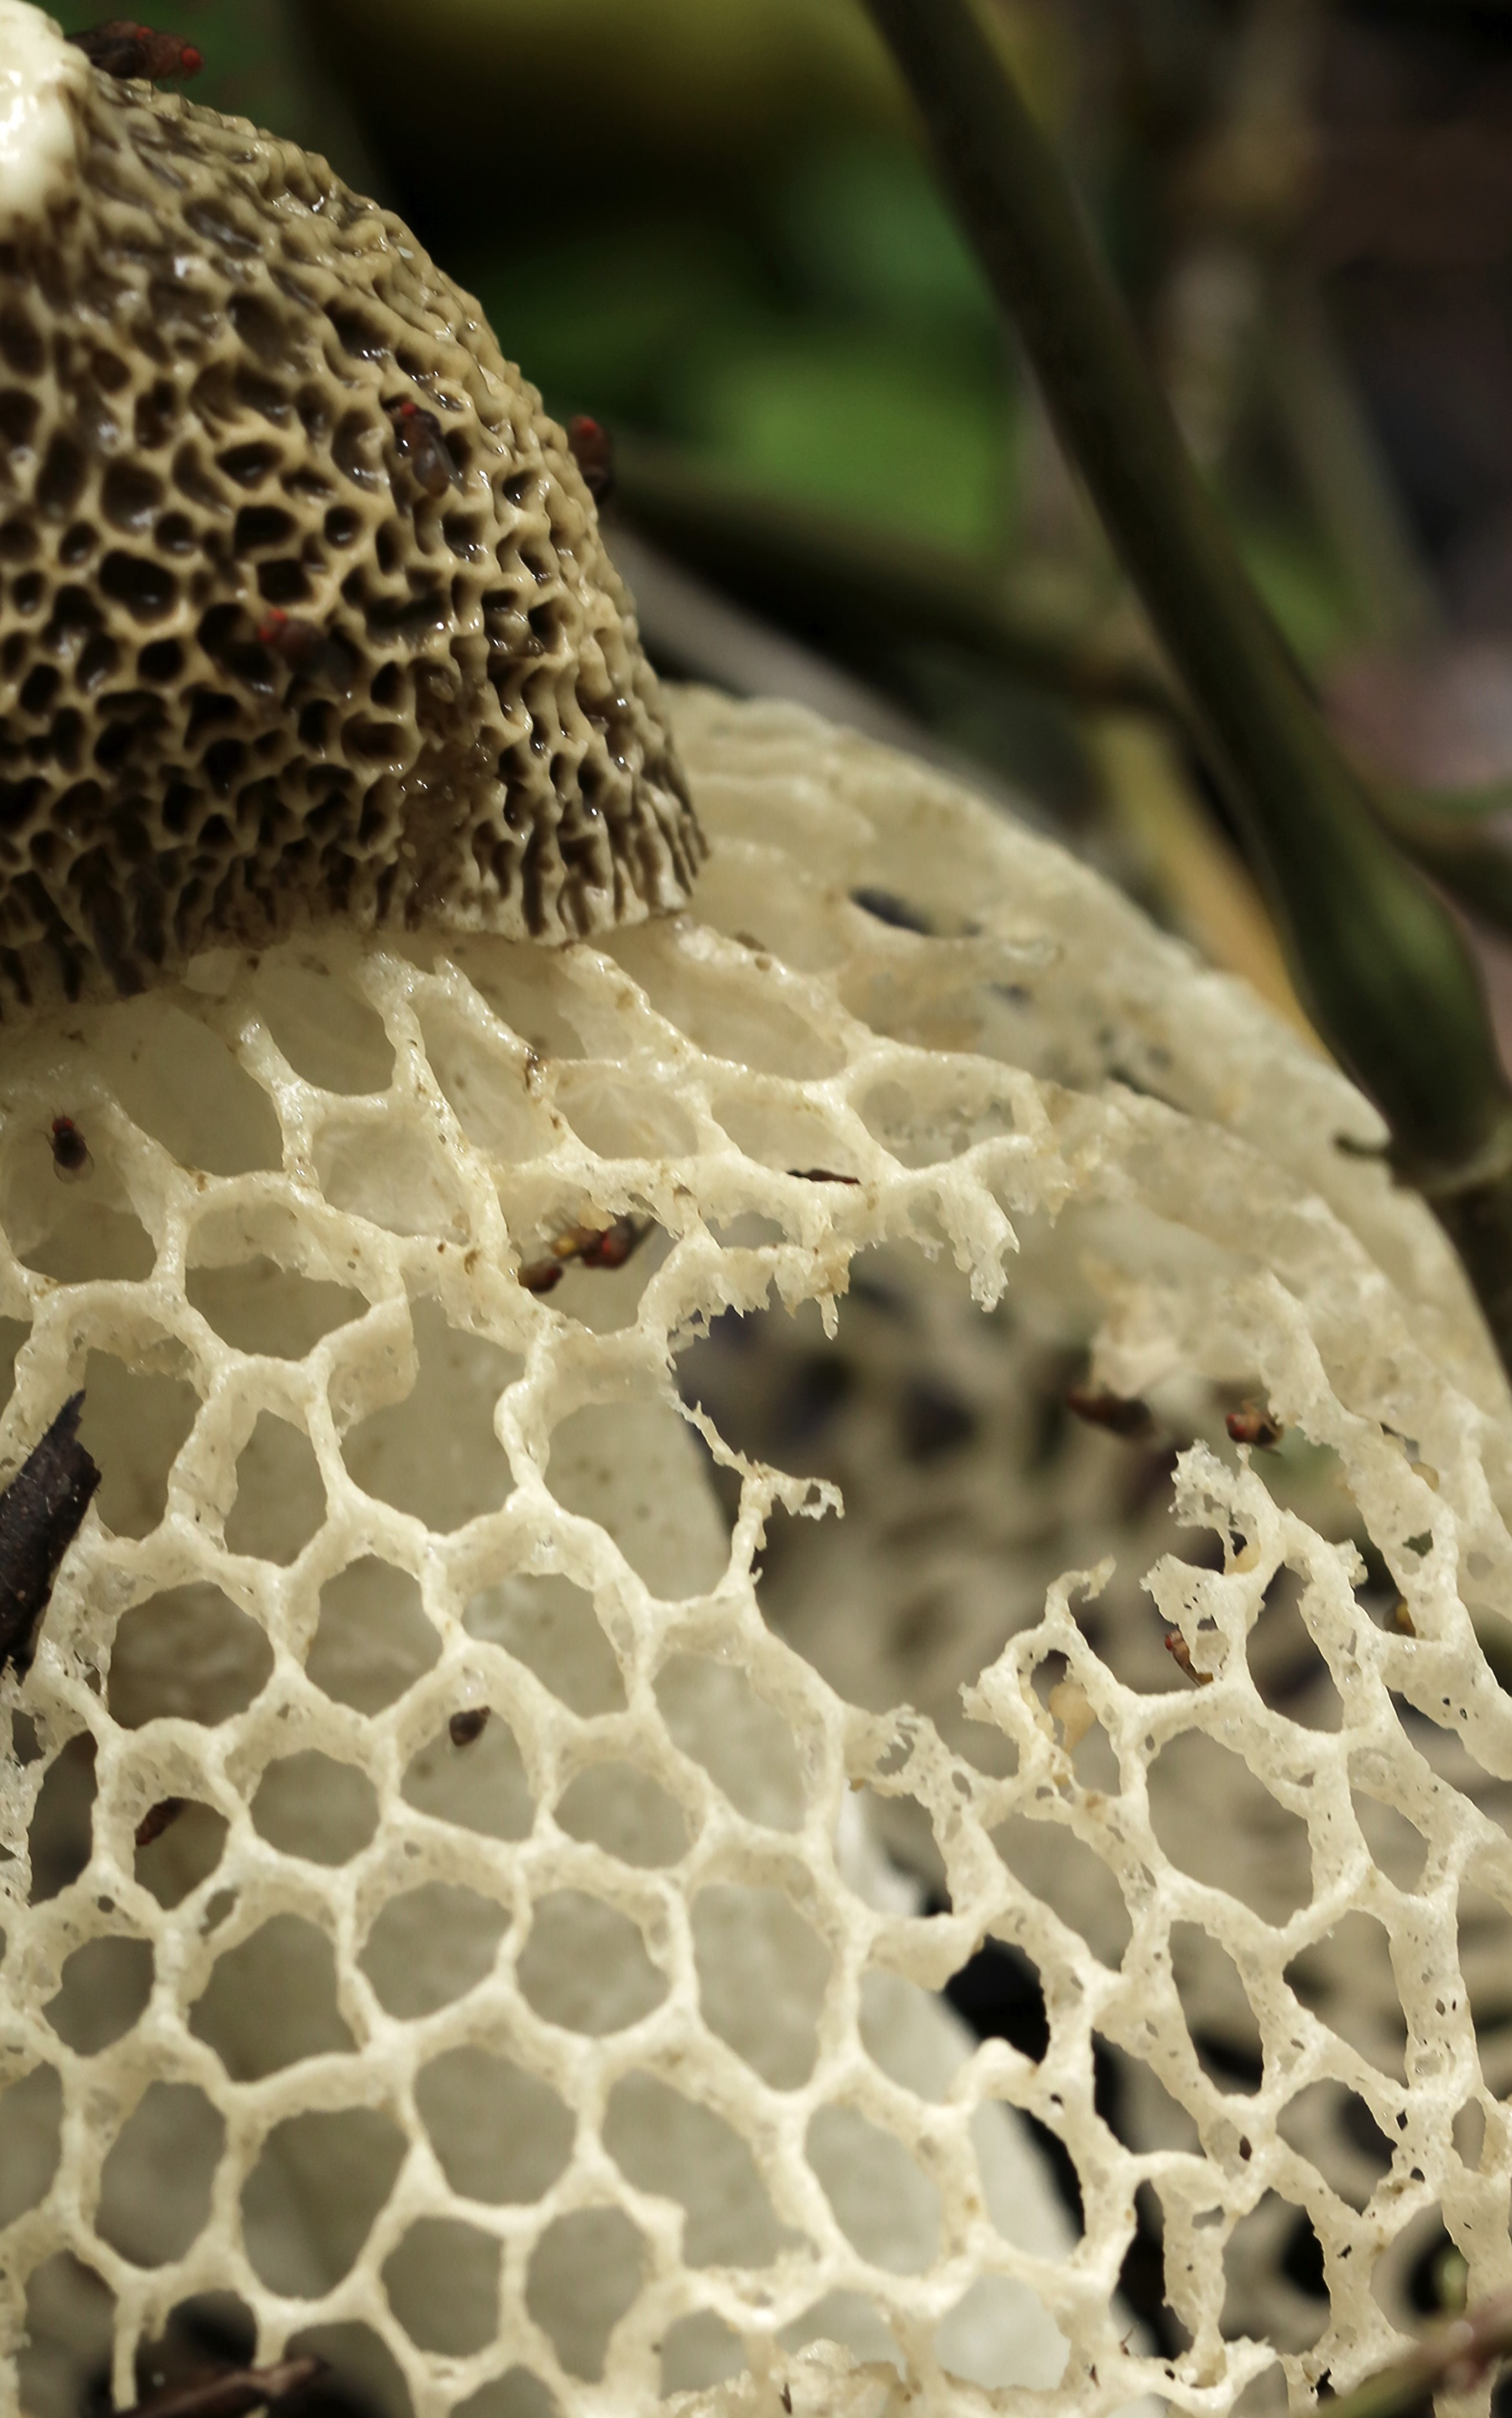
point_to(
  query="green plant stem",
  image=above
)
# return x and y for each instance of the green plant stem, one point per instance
(1454, 2357)
(1378, 960)
(1456, 841)
(1342, 470)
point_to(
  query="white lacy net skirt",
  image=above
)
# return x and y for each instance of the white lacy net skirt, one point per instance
(601, 2052)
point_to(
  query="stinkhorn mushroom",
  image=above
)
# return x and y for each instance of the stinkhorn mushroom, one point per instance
(306, 608)
(445, 1931)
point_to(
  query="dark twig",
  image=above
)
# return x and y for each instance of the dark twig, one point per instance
(41, 1512)
(232, 2393)
(1379, 962)
(858, 593)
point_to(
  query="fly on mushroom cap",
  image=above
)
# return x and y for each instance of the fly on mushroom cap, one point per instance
(215, 362)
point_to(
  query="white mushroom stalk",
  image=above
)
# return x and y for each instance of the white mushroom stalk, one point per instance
(445, 1924)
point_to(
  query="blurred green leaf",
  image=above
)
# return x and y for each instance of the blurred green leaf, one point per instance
(838, 347)
(865, 231)
(693, 79)
(603, 322)
(1300, 582)
(872, 427)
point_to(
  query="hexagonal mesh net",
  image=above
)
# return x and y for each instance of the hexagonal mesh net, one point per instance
(739, 2008)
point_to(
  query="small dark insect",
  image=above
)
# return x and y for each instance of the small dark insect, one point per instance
(158, 1818)
(822, 1175)
(464, 1727)
(787, 2397)
(1131, 1420)
(232, 2393)
(121, 47)
(41, 1512)
(307, 649)
(1251, 1425)
(612, 1245)
(419, 439)
(1402, 1619)
(592, 1247)
(1181, 1654)
(71, 1152)
(594, 451)
(542, 1275)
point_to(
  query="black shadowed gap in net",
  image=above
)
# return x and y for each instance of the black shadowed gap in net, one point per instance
(41, 1512)
(998, 1993)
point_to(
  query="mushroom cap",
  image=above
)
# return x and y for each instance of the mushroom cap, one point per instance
(304, 607)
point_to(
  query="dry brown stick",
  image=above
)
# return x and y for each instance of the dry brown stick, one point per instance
(42, 1512)
(232, 2394)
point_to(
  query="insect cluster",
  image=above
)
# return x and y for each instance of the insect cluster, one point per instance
(591, 1247)
(121, 47)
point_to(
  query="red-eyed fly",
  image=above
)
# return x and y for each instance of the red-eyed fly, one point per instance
(71, 1152)
(594, 451)
(121, 47)
(418, 441)
(1251, 1425)
(612, 1245)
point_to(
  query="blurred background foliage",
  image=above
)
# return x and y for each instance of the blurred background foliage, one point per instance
(708, 224)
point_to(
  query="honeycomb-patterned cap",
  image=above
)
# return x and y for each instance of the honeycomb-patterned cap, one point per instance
(304, 609)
